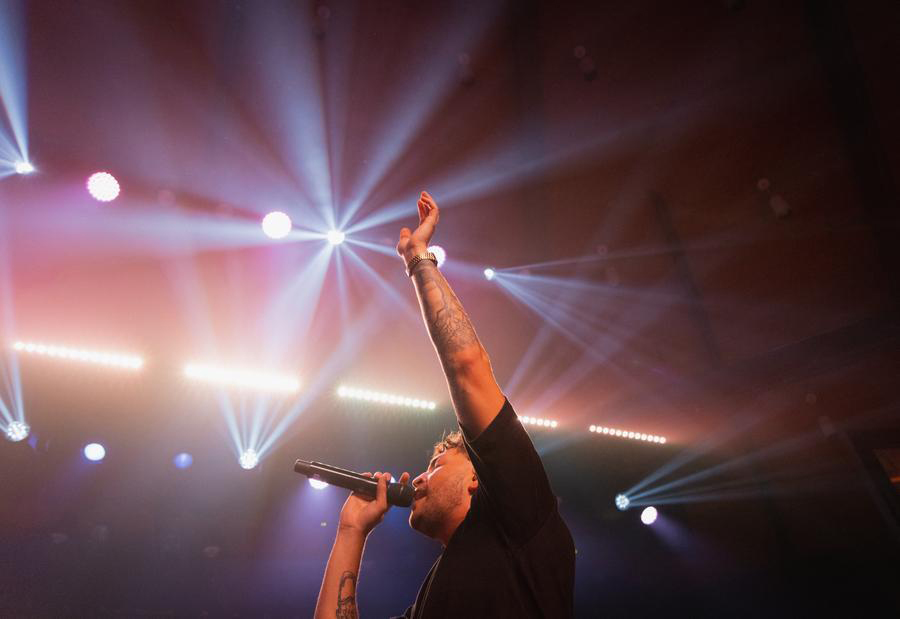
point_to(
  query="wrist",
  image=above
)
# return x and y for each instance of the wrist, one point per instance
(352, 533)
(412, 251)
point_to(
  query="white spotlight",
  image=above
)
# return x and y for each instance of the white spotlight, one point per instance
(622, 502)
(439, 254)
(94, 452)
(318, 484)
(489, 274)
(648, 516)
(241, 378)
(249, 459)
(17, 431)
(276, 225)
(355, 393)
(103, 186)
(335, 237)
(24, 167)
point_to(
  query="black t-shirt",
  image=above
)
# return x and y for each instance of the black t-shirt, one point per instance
(512, 555)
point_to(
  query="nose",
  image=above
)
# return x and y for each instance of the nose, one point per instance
(418, 481)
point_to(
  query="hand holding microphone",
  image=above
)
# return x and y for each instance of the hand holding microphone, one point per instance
(372, 495)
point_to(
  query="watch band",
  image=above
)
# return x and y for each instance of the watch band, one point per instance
(419, 258)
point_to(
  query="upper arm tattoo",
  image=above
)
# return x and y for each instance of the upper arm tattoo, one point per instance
(346, 604)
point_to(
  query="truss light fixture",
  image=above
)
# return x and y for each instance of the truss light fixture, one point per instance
(637, 436)
(537, 421)
(367, 395)
(110, 359)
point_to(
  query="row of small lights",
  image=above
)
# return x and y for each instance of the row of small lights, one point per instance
(129, 362)
(638, 436)
(367, 395)
(537, 421)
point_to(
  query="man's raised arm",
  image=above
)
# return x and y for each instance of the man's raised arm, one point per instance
(475, 394)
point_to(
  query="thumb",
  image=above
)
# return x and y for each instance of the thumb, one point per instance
(404, 240)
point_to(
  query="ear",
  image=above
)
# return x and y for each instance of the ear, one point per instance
(473, 484)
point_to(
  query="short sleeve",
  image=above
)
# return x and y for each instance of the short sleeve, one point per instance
(511, 478)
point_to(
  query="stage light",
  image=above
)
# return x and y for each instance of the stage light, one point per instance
(648, 516)
(17, 431)
(241, 378)
(318, 484)
(367, 395)
(335, 237)
(24, 167)
(439, 254)
(103, 186)
(183, 460)
(537, 421)
(489, 274)
(249, 459)
(94, 452)
(622, 502)
(638, 436)
(119, 360)
(276, 225)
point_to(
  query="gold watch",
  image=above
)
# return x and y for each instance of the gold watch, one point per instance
(419, 258)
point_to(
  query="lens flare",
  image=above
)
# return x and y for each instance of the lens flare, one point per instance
(648, 516)
(103, 186)
(276, 225)
(94, 452)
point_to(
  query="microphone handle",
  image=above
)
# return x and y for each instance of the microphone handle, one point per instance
(397, 493)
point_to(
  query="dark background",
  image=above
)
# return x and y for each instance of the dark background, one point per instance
(713, 185)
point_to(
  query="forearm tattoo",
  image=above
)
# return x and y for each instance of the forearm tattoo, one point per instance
(346, 604)
(449, 326)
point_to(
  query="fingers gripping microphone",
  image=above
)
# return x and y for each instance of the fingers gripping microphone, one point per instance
(397, 494)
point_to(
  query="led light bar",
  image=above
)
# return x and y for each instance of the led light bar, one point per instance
(368, 395)
(129, 362)
(637, 436)
(241, 378)
(537, 421)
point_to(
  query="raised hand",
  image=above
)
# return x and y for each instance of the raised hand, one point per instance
(416, 241)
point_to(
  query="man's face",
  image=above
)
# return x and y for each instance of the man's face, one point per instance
(442, 492)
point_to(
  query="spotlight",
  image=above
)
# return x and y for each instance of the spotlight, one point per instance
(622, 502)
(94, 452)
(276, 225)
(247, 379)
(17, 431)
(335, 237)
(318, 484)
(183, 460)
(24, 167)
(648, 516)
(249, 459)
(439, 253)
(103, 186)
(489, 274)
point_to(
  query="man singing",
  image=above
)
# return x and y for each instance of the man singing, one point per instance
(484, 496)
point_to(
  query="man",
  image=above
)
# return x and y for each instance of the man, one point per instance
(485, 495)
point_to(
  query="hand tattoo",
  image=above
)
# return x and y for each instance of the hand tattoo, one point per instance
(346, 604)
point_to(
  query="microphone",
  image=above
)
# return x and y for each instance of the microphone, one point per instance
(397, 493)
